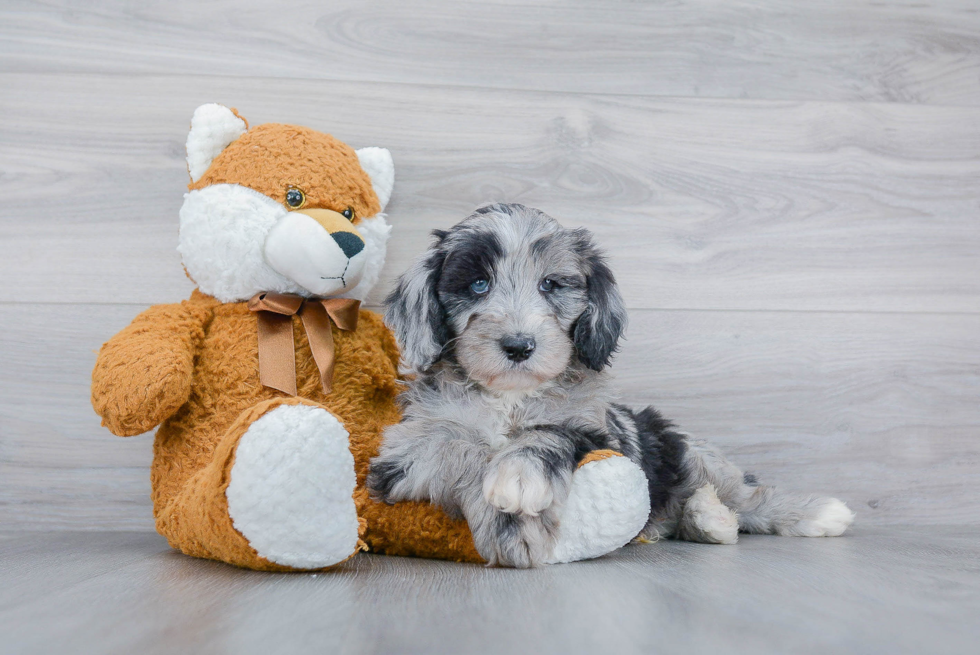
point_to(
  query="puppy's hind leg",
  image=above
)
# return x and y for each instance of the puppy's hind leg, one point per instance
(763, 509)
(706, 519)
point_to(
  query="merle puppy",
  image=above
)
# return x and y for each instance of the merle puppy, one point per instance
(508, 322)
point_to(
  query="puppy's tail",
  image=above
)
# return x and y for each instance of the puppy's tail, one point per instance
(763, 509)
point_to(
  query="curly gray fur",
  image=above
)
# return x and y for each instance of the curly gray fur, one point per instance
(508, 323)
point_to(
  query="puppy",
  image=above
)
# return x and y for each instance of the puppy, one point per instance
(508, 323)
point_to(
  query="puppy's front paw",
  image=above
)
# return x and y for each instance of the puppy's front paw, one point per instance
(515, 540)
(517, 484)
(385, 478)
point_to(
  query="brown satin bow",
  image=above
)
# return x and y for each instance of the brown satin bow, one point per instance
(277, 352)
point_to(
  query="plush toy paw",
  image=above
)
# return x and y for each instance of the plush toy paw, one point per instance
(608, 504)
(291, 489)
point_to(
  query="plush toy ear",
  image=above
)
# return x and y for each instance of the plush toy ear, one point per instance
(213, 127)
(377, 163)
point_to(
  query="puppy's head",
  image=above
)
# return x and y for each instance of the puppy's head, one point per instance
(512, 296)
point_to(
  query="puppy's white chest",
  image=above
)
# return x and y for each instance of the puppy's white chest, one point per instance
(510, 412)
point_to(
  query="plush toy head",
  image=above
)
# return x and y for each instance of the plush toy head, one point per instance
(281, 208)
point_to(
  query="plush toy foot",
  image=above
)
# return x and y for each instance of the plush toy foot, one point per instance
(608, 504)
(291, 489)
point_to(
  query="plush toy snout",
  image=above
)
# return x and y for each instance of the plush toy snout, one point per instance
(318, 249)
(346, 236)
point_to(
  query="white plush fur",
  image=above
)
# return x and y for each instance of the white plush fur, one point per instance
(213, 127)
(608, 505)
(223, 232)
(377, 163)
(222, 235)
(302, 250)
(375, 231)
(224, 228)
(291, 489)
(707, 519)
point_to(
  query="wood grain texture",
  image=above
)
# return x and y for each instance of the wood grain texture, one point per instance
(703, 204)
(885, 590)
(788, 193)
(58, 466)
(882, 410)
(842, 50)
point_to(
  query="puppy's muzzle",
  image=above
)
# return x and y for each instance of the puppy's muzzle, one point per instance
(517, 347)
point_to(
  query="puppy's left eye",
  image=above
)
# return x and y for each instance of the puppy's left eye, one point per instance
(480, 287)
(349, 213)
(548, 285)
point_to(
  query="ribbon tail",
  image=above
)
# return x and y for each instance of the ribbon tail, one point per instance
(320, 335)
(343, 311)
(277, 354)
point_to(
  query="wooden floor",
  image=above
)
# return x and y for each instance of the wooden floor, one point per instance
(790, 195)
(880, 590)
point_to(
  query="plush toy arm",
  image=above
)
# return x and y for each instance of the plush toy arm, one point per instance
(143, 374)
(390, 347)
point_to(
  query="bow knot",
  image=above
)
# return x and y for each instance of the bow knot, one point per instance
(277, 352)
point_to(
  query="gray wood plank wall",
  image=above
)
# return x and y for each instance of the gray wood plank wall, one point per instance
(789, 193)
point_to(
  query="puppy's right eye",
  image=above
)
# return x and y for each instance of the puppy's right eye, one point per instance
(480, 287)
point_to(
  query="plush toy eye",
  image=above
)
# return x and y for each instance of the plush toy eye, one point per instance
(295, 198)
(480, 287)
(548, 285)
(349, 213)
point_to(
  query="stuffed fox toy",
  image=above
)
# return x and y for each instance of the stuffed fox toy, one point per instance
(271, 387)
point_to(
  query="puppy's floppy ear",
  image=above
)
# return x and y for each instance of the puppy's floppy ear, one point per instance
(597, 331)
(414, 313)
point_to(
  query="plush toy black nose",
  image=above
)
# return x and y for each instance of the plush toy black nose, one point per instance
(518, 347)
(349, 242)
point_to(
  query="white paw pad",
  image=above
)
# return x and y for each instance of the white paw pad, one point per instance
(607, 505)
(710, 520)
(825, 517)
(518, 485)
(291, 488)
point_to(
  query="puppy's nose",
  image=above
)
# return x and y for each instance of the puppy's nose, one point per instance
(518, 347)
(349, 242)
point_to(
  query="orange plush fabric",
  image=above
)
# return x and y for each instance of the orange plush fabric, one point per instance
(598, 456)
(198, 362)
(273, 158)
(192, 368)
